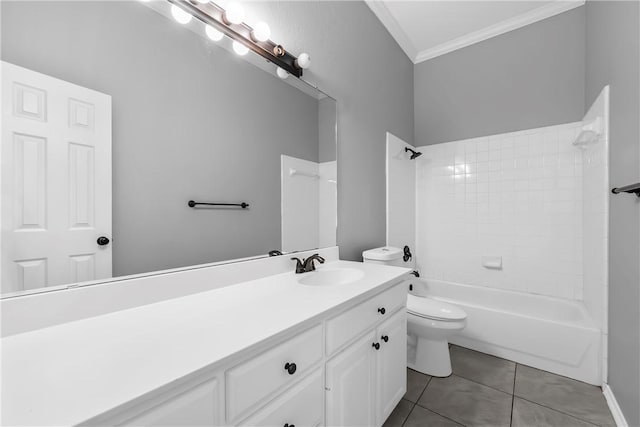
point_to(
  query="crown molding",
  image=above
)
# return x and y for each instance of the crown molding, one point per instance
(543, 12)
(380, 10)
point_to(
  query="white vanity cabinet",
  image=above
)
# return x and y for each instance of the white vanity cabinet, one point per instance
(198, 406)
(348, 368)
(365, 381)
(301, 405)
(391, 371)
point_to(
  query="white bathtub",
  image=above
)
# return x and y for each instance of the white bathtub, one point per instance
(547, 333)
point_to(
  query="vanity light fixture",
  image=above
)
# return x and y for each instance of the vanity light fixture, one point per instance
(282, 73)
(213, 34)
(180, 15)
(239, 48)
(234, 13)
(261, 32)
(229, 22)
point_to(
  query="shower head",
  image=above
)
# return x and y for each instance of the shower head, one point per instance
(414, 154)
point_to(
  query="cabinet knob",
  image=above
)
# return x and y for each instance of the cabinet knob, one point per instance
(291, 368)
(382, 310)
(376, 345)
(385, 338)
(289, 425)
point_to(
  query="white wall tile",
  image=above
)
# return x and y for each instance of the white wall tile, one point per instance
(515, 195)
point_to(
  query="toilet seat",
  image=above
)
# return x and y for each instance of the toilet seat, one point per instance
(429, 308)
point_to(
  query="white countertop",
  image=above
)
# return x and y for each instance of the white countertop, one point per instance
(69, 373)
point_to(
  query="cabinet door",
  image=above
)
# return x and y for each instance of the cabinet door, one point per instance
(199, 406)
(350, 385)
(302, 405)
(391, 364)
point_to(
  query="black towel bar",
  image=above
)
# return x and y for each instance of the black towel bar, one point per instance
(193, 204)
(633, 188)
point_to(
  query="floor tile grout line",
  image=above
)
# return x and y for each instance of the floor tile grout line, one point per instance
(438, 413)
(479, 383)
(543, 405)
(420, 397)
(424, 389)
(409, 414)
(557, 410)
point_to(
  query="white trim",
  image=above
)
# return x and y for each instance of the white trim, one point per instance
(618, 416)
(543, 12)
(380, 10)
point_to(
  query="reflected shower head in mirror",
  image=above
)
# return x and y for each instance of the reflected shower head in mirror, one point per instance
(414, 154)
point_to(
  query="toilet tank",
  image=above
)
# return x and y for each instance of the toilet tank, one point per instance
(387, 255)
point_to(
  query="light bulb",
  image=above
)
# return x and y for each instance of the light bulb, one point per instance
(282, 73)
(213, 34)
(303, 61)
(261, 32)
(234, 13)
(240, 49)
(180, 15)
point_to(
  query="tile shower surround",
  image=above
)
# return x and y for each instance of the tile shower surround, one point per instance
(516, 195)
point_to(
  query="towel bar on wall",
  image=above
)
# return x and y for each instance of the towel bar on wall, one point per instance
(632, 188)
(193, 204)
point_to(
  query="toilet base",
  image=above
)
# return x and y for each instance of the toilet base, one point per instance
(431, 357)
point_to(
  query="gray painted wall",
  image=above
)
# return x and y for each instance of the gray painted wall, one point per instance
(327, 114)
(527, 78)
(356, 61)
(613, 57)
(372, 79)
(190, 121)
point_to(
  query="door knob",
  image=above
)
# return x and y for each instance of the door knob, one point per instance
(103, 240)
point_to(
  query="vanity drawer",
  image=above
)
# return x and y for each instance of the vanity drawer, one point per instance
(256, 379)
(346, 326)
(302, 405)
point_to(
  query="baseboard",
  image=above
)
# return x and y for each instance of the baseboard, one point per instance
(618, 416)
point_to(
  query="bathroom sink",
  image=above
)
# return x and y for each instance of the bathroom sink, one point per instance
(337, 276)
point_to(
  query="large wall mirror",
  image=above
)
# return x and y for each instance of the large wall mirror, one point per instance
(115, 117)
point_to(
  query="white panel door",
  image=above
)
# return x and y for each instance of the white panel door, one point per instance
(351, 385)
(392, 364)
(56, 181)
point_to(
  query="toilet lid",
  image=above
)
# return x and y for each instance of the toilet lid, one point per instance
(433, 309)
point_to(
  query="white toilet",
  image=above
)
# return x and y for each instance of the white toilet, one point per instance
(430, 322)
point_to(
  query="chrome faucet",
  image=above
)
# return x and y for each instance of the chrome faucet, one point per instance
(306, 265)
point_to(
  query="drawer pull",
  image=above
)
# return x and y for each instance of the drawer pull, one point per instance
(376, 345)
(382, 310)
(291, 368)
(289, 425)
(385, 338)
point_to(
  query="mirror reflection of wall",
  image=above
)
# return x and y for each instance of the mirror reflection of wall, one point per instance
(189, 121)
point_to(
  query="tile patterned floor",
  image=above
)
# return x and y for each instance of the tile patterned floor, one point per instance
(491, 392)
